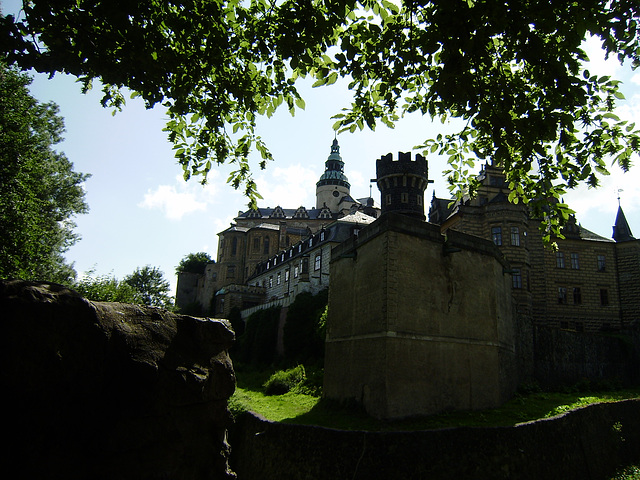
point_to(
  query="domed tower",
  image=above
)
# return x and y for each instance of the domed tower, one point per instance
(402, 184)
(333, 184)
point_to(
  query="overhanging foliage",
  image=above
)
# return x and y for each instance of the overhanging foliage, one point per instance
(512, 70)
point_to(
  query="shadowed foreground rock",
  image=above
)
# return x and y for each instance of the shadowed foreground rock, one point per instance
(111, 391)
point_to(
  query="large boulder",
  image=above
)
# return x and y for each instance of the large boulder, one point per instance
(109, 390)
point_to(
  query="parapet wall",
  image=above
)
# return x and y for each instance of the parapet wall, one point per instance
(589, 443)
(386, 165)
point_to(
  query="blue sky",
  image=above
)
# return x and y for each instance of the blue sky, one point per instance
(143, 213)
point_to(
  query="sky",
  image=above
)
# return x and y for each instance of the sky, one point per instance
(143, 213)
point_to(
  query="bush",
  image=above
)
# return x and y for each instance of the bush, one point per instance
(284, 381)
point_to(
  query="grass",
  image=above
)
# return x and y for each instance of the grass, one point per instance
(305, 409)
(312, 410)
(629, 473)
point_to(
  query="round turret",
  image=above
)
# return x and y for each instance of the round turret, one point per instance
(333, 185)
(402, 184)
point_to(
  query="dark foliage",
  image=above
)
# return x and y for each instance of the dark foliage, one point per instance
(303, 335)
(257, 345)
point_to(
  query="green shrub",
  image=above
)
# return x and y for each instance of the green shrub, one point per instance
(284, 381)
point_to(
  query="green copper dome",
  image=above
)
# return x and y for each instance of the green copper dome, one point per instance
(334, 169)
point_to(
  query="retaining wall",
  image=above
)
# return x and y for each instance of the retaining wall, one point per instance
(586, 444)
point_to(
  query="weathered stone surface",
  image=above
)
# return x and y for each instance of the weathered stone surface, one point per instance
(588, 443)
(109, 390)
(419, 323)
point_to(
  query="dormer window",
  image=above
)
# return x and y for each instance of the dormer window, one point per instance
(301, 213)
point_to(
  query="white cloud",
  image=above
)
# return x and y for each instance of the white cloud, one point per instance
(289, 187)
(181, 198)
(172, 203)
(636, 79)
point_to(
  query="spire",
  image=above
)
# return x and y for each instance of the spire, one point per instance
(621, 230)
(334, 169)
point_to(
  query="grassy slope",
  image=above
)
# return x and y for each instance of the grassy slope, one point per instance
(309, 410)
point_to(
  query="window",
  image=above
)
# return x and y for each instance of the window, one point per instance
(419, 200)
(388, 199)
(322, 236)
(562, 295)
(516, 278)
(496, 235)
(278, 279)
(234, 246)
(295, 272)
(265, 245)
(318, 262)
(602, 263)
(286, 275)
(404, 197)
(270, 281)
(231, 271)
(256, 244)
(575, 264)
(515, 236)
(560, 259)
(577, 296)
(604, 297)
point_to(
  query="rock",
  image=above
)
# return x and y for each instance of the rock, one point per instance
(111, 391)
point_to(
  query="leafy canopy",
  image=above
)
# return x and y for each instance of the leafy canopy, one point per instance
(145, 286)
(194, 263)
(512, 70)
(40, 193)
(151, 286)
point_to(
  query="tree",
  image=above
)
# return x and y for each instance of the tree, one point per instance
(151, 286)
(194, 263)
(145, 286)
(40, 192)
(106, 288)
(512, 70)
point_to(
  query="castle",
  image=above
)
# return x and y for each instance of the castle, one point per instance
(250, 271)
(271, 254)
(427, 316)
(455, 313)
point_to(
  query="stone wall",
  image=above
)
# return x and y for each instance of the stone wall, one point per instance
(628, 261)
(418, 325)
(109, 390)
(565, 358)
(588, 443)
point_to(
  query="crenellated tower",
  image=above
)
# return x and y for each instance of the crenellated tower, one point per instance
(402, 183)
(333, 185)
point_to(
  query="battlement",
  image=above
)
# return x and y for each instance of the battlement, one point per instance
(404, 165)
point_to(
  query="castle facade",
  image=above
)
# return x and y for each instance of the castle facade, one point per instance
(586, 284)
(263, 238)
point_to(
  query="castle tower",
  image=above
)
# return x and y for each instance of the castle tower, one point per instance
(402, 184)
(621, 230)
(333, 185)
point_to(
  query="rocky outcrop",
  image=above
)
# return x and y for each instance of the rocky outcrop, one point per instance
(111, 391)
